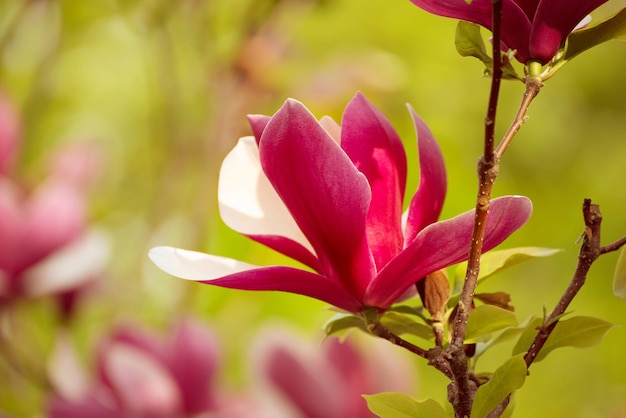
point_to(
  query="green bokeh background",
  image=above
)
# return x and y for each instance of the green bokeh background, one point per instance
(164, 87)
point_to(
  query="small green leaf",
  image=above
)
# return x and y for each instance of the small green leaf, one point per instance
(579, 332)
(501, 337)
(506, 379)
(401, 324)
(343, 322)
(579, 41)
(494, 261)
(469, 42)
(619, 279)
(485, 320)
(528, 335)
(399, 405)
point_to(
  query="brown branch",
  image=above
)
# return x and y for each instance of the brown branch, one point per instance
(613, 246)
(589, 253)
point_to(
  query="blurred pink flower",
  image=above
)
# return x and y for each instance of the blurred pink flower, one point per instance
(140, 376)
(331, 197)
(535, 29)
(32, 227)
(328, 381)
(45, 245)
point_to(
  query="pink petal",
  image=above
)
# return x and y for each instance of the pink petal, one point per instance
(443, 244)
(74, 265)
(224, 272)
(55, 215)
(304, 378)
(376, 150)
(90, 407)
(554, 21)
(142, 384)
(515, 24)
(325, 193)
(193, 363)
(426, 205)
(258, 124)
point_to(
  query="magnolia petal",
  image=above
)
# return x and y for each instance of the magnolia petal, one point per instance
(377, 151)
(258, 124)
(516, 25)
(54, 215)
(249, 204)
(332, 127)
(142, 384)
(69, 268)
(427, 203)
(303, 376)
(226, 272)
(91, 407)
(325, 193)
(443, 244)
(192, 265)
(198, 347)
(553, 22)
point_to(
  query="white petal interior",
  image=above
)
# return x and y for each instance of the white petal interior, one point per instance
(192, 265)
(77, 263)
(248, 202)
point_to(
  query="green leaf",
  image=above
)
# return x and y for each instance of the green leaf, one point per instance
(494, 261)
(506, 379)
(619, 279)
(469, 43)
(343, 322)
(401, 324)
(528, 335)
(579, 332)
(399, 405)
(485, 320)
(579, 41)
(500, 338)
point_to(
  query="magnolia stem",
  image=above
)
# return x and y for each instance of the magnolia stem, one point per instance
(462, 390)
(533, 86)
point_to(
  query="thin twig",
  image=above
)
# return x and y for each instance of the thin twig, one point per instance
(589, 253)
(533, 86)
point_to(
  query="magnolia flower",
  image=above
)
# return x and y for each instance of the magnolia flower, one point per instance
(535, 29)
(141, 376)
(331, 197)
(298, 375)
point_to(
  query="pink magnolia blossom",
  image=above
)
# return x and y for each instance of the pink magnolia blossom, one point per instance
(33, 227)
(327, 381)
(45, 244)
(141, 376)
(535, 29)
(331, 197)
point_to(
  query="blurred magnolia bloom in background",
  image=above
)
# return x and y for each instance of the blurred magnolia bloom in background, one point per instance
(46, 244)
(139, 375)
(331, 197)
(327, 380)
